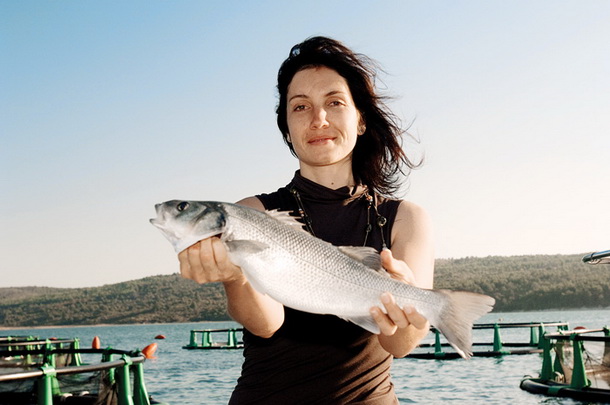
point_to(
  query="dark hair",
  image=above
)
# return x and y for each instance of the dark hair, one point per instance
(378, 158)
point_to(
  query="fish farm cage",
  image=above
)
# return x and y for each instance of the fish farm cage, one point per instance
(208, 339)
(46, 371)
(575, 364)
(490, 344)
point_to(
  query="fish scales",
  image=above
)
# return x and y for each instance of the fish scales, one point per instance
(306, 273)
(324, 273)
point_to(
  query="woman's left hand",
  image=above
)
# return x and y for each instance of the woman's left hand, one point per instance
(394, 316)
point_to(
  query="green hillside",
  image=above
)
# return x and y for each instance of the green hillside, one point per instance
(158, 299)
(526, 283)
(519, 283)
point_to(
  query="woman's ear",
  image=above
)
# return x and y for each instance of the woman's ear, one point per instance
(288, 138)
(361, 128)
(361, 124)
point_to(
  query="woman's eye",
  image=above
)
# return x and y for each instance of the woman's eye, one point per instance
(298, 108)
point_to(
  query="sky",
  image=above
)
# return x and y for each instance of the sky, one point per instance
(107, 108)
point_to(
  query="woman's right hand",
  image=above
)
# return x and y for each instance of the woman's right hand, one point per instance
(207, 262)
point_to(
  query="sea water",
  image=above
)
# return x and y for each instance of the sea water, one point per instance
(180, 376)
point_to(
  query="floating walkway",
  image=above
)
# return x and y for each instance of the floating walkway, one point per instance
(578, 370)
(214, 339)
(36, 371)
(495, 347)
(207, 339)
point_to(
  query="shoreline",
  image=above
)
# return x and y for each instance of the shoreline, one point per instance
(3, 328)
(103, 325)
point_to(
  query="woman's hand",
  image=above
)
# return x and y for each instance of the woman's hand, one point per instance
(397, 269)
(401, 329)
(207, 262)
(396, 317)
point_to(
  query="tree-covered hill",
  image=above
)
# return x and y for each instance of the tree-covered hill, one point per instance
(158, 299)
(518, 283)
(525, 283)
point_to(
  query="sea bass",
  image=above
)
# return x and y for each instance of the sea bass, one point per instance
(306, 273)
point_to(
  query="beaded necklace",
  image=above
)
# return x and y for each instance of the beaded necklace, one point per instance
(371, 202)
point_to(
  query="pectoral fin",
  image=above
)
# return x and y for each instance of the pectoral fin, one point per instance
(246, 246)
(239, 250)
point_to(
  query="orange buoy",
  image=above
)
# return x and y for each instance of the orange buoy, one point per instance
(160, 337)
(96, 343)
(149, 351)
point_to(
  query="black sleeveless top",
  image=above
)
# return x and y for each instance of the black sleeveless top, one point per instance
(321, 359)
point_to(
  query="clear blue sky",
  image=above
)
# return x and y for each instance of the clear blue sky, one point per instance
(107, 108)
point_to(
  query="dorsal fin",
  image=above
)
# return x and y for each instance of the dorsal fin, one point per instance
(285, 218)
(365, 255)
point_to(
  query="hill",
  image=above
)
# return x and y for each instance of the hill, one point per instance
(518, 283)
(157, 299)
(526, 283)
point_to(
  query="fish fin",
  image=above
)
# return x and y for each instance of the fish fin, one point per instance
(285, 218)
(239, 250)
(246, 246)
(455, 321)
(365, 322)
(365, 255)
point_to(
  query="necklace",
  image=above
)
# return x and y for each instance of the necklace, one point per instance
(302, 213)
(371, 202)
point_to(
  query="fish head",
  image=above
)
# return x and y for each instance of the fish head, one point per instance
(185, 223)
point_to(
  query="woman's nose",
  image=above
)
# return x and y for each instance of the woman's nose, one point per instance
(318, 120)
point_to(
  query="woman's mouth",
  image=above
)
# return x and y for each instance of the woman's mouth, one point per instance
(320, 140)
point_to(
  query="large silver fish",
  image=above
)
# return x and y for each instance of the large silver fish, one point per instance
(306, 273)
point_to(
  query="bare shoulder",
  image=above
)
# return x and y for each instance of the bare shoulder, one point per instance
(412, 227)
(411, 214)
(413, 242)
(252, 202)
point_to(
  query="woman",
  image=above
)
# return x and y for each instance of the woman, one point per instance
(349, 154)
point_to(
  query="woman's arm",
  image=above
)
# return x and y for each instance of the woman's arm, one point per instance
(412, 261)
(207, 262)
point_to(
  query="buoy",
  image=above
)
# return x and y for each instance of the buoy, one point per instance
(160, 337)
(149, 351)
(96, 343)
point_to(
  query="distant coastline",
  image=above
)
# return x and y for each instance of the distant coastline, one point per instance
(518, 283)
(57, 326)
(100, 325)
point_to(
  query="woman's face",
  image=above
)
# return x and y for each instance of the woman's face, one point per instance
(323, 122)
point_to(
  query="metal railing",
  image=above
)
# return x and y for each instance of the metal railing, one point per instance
(118, 371)
(498, 346)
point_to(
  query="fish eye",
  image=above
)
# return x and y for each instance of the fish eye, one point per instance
(182, 206)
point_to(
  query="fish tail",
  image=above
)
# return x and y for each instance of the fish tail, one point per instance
(458, 315)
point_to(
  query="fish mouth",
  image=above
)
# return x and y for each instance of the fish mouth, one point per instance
(156, 222)
(160, 220)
